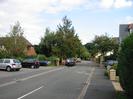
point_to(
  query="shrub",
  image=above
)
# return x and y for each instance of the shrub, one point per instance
(4, 54)
(125, 65)
(53, 60)
(41, 57)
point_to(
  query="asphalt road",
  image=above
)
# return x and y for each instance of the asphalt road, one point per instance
(47, 82)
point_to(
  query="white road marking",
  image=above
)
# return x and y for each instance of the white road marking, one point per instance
(30, 92)
(23, 79)
(87, 83)
(40, 74)
(83, 73)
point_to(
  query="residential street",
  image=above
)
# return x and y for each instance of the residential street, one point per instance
(50, 83)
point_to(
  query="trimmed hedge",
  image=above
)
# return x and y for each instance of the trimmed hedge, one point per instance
(125, 65)
(41, 57)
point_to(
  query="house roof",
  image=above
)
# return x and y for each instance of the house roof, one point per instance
(130, 26)
(3, 39)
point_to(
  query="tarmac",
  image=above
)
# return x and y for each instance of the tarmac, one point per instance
(101, 87)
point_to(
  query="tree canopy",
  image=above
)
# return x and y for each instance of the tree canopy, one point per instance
(102, 44)
(14, 43)
(64, 42)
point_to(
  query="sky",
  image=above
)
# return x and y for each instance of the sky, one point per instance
(89, 17)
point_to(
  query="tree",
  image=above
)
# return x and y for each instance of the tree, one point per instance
(47, 42)
(125, 65)
(64, 42)
(69, 40)
(84, 53)
(105, 44)
(14, 43)
(92, 49)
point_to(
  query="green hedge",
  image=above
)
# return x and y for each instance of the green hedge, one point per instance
(41, 57)
(125, 65)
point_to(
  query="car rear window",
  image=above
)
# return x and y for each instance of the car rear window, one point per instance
(1, 60)
(16, 61)
(7, 61)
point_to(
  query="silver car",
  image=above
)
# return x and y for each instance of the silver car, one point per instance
(10, 64)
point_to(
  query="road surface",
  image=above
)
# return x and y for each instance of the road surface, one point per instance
(47, 82)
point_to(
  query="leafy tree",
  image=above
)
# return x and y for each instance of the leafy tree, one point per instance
(104, 44)
(92, 49)
(62, 43)
(69, 40)
(84, 53)
(14, 43)
(47, 42)
(125, 65)
(4, 53)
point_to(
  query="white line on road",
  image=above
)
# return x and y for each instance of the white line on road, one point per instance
(87, 83)
(40, 74)
(30, 92)
(23, 79)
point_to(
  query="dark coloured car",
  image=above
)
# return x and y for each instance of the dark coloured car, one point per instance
(70, 62)
(43, 63)
(30, 63)
(110, 62)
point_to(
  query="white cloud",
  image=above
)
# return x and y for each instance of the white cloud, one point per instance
(107, 3)
(123, 3)
(129, 19)
(28, 12)
(116, 3)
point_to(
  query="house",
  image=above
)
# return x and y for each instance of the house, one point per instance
(29, 49)
(125, 30)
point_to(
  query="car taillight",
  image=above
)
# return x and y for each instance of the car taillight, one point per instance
(13, 64)
(36, 62)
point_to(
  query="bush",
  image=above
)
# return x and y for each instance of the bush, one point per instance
(125, 65)
(4, 54)
(53, 60)
(41, 57)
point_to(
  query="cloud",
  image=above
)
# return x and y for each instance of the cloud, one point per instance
(116, 3)
(123, 3)
(29, 13)
(107, 3)
(129, 19)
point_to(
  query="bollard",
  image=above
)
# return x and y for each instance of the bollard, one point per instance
(112, 74)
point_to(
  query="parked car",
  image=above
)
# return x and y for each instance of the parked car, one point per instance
(43, 63)
(70, 62)
(10, 64)
(30, 63)
(110, 62)
(78, 60)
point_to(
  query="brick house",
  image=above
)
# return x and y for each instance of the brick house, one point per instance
(29, 49)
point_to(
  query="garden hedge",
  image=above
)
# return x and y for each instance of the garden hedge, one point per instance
(125, 65)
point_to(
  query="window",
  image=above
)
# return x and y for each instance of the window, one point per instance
(7, 61)
(1, 60)
(16, 61)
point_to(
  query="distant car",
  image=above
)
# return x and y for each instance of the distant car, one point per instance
(10, 64)
(70, 62)
(110, 62)
(30, 63)
(43, 63)
(78, 60)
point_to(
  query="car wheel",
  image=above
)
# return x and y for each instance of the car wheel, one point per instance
(8, 68)
(17, 69)
(32, 66)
